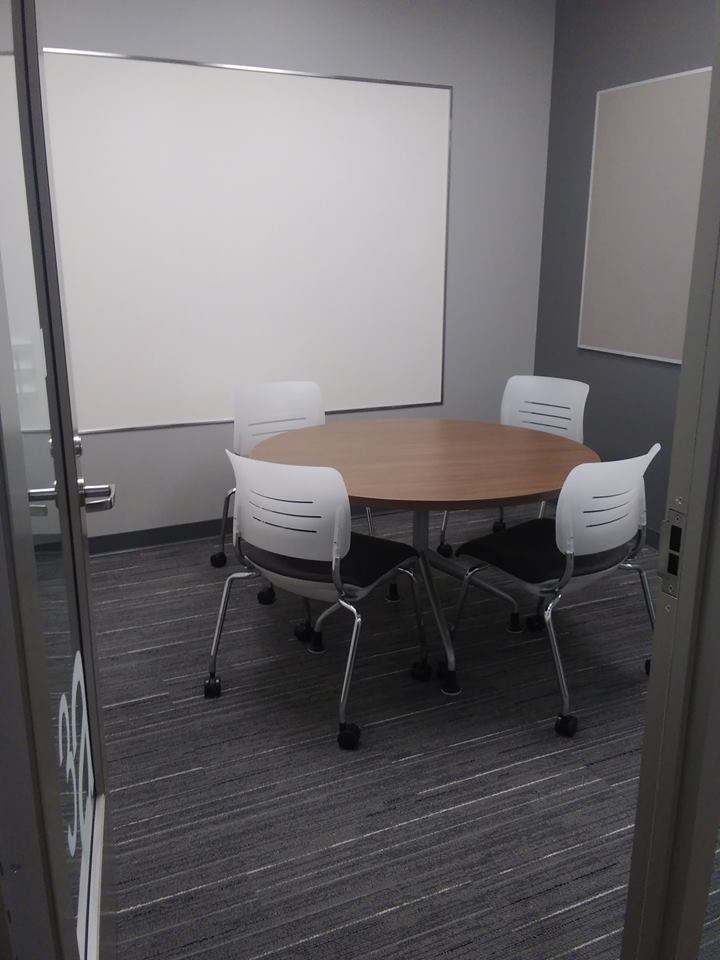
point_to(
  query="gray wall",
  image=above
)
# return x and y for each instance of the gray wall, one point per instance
(598, 45)
(498, 57)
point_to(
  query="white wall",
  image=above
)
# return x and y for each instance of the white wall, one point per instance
(498, 57)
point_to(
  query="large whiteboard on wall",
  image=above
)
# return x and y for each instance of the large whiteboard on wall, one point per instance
(642, 215)
(219, 224)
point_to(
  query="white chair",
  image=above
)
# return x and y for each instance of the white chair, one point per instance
(599, 525)
(263, 410)
(294, 527)
(550, 404)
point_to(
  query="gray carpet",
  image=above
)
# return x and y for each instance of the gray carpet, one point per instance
(462, 828)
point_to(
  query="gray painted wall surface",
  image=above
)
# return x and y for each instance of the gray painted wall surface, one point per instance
(599, 45)
(498, 57)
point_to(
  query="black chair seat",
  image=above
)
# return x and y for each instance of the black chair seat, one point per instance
(368, 559)
(529, 552)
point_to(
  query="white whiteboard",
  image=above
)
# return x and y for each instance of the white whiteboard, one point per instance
(225, 225)
(642, 215)
(17, 274)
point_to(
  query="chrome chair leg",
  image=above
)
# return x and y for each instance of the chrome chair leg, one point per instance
(514, 624)
(212, 683)
(499, 525)
(325, 614)
(421, 669)
(307, 633)
(392, 590)
(349, 733)
(443, 547)
(416, 604)
(543, 508)
(650, 607)
(566, 723)
(219, 559)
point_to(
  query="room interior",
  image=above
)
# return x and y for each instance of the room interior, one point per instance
(461, 826)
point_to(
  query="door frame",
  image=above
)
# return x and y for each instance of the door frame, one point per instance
(678, 805)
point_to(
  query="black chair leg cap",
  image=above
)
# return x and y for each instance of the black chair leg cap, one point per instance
(450, 686)
(348, 736)
(648, 664)
(444, 549)
(421, 670)
(213, 688)
(514, 624)
(303, 632)
(266, 596)
(499, 526)
(393, 594)
(535, 623)
(566, 725)
(315, 642)
(218, 560)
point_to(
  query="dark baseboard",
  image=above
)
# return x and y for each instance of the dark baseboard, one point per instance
(133, 539)
(201, 530)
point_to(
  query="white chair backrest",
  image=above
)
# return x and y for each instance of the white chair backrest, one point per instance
(602, 505)
(265, 409)
(545, 403)
(300, 512)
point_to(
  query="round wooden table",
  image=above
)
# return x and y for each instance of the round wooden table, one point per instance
(419, 464)
(425, 464)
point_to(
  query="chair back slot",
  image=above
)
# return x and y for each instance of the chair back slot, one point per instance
(299, 512)
(602, 505)
(550, 404)
(265, 410)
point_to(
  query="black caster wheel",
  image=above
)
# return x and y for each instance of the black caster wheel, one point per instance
(566, 725)
(266, 596)
(535, 623)
(499, 526)
(514, 624)
(444, 549)
(648, 664)
(212, 688)
(218, 560)
(421, 670)
(393, 595)
(349, 736)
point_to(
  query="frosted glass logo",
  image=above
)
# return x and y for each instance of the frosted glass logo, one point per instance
(74, 753)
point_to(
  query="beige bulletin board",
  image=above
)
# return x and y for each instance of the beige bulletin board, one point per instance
(642, 214)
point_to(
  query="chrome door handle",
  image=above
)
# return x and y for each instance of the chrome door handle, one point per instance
(43, 494)
(97, 496)
(93, 497)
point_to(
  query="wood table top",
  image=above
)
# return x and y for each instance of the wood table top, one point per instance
(427, 464)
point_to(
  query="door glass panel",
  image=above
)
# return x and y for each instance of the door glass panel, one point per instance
(66, 687)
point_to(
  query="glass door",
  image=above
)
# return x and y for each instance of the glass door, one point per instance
(44, 540)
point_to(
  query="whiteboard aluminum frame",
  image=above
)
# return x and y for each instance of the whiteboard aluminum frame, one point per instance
(622, 86)
(321, 76)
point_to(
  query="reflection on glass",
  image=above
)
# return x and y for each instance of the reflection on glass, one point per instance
(19, 317)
